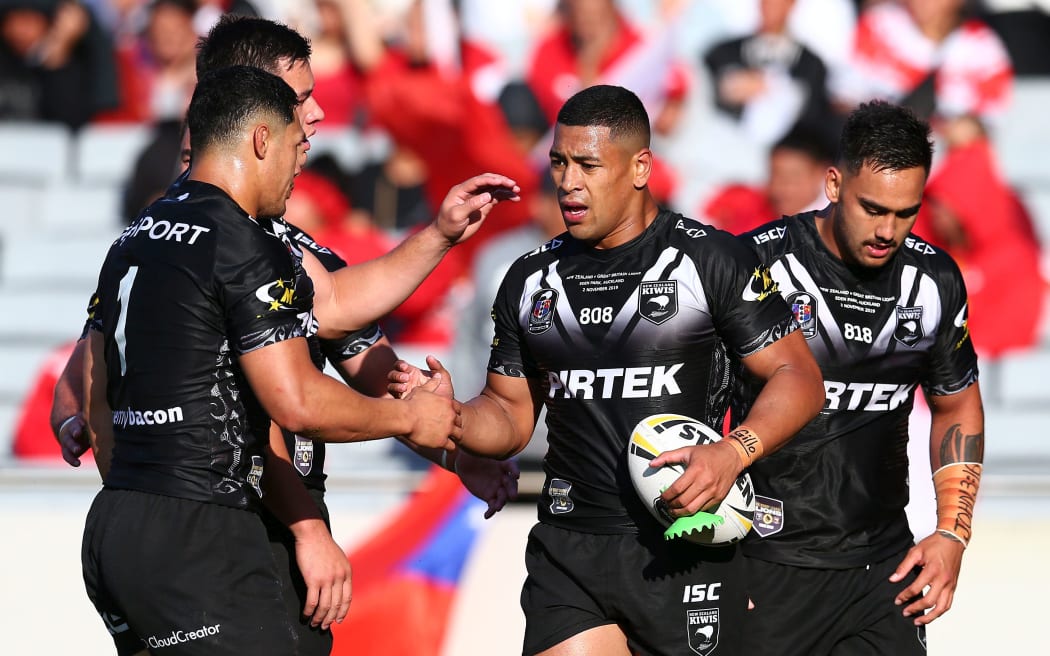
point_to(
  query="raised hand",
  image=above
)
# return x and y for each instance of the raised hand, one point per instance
(468, 203)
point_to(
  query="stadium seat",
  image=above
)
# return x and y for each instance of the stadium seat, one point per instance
(35, 263)
(77, 209)
(21, 205)
(21, 364)
(34, 153)
(1022, 137)
(1020, 379)
(45, 316)
(106, 153)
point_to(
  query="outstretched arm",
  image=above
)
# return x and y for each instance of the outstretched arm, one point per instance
(956, 457)
(792, 395)
(347, 299)
(305, 401)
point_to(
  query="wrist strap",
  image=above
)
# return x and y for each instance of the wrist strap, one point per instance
(66, 422)
(956, 486)
(747, 444)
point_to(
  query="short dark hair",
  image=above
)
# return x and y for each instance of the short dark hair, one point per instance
(226, 99)
(613, 107)
(884, 136)
(250, 41)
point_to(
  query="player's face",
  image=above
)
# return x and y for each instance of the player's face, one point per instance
(286, 148)
(872, 213)
(301, 78)
(597, 180)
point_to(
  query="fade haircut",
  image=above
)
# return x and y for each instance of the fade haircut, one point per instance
(608, 106)
(250, 41)
(884, 136)
(227, 99)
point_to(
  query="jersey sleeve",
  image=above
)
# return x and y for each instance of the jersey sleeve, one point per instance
(953, 360)
(257, 286)
(509, 355)
(748, 310)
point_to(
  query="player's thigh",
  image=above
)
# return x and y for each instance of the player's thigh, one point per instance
(193, 578)
(560, 598)
(606, 640)
(881, 625)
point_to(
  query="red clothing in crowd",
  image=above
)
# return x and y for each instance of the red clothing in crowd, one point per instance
(553, 74)
(1000, 258)
(457, 135)
(739, 208)
(33, 437)
(891, 57)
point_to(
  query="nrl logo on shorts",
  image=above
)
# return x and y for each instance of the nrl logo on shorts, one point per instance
(909, 325)
(560, 501)
(804, 307)
(542, 315)
(702, 628)
(304, 455)
(658, 300)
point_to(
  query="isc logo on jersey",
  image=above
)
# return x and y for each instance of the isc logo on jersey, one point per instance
(692, 229)
(769, 235)
(664, 432)
(919, 246)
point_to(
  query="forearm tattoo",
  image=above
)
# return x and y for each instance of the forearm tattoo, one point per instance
(959, 447)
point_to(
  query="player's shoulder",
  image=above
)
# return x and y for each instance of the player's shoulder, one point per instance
(698, 239)
(923, 255)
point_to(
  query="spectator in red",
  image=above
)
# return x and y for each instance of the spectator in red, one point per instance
(592, 44)
(929, 55)
(337, 84)
(429, 106)
(973, 213)
(797, 164)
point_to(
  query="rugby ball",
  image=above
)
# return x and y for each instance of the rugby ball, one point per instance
(664, 432)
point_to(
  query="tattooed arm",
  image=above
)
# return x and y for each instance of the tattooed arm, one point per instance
(956, 454)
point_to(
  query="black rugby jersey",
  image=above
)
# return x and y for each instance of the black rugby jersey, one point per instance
(834, 496)
(617, 335)
(308, 455)
(188, 287)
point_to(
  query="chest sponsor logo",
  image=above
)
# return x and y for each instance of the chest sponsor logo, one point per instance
(909, 325)
(304, 455)
(561, 502)
(760, 285)
(867, 397)
(804, 307)
(541, 317)
(620, 383)
(164, 230)
(658, 301)
(702, 627)
(769, 516)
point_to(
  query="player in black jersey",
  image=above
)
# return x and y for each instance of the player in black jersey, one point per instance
(197, 341)
(362, 357)
(834, 568)
(635, 310)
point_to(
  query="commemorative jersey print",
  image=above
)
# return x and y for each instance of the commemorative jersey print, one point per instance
(614, 336)
(878, 335)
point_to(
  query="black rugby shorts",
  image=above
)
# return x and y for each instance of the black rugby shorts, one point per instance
(829, 612)
(668, 597)
(182, 577)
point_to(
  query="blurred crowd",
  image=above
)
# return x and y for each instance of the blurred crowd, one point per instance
(453, 88)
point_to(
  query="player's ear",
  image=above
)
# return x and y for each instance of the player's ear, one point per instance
(643, 167)
(833, 184)
(261, 138)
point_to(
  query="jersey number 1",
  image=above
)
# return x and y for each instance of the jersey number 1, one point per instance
(119, 335)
